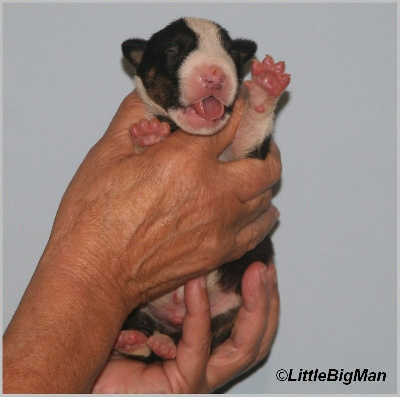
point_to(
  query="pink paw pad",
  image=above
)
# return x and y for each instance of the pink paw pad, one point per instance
(162, 345)
(270, 77)
(132, 342)
(147, 133)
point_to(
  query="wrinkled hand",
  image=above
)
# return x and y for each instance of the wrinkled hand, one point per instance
(194, 370)
(130, 227)
(147, 223)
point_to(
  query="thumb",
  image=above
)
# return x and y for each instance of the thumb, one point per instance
(224, 137)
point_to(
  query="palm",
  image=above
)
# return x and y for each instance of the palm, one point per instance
(129, 376)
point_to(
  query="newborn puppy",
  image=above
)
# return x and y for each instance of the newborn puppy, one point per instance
(189, 75)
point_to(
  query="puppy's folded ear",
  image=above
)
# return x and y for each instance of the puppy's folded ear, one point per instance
(244, 48)
(133, 50)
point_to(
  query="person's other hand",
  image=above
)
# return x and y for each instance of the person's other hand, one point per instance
(194, 370)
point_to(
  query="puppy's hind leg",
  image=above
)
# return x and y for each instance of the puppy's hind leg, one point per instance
(162, 345)
(132, 343)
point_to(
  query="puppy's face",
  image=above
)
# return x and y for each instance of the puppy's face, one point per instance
(190, 72)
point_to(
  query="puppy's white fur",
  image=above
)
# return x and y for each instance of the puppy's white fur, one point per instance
(209, 52)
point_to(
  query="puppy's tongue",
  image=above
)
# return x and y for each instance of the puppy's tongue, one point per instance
(209, 108)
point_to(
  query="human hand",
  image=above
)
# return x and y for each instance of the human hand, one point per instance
(130, 227)
(144, 224)
(194, 370)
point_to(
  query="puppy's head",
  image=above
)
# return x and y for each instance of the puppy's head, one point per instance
(190, 72)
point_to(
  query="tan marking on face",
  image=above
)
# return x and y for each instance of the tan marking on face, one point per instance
(159, 87)
(152, 73)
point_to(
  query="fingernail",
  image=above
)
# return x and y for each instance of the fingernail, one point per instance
(277, 214)
(202, 282)
(274, 276)
(264, 275)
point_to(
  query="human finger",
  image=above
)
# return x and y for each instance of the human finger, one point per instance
(253, 208)
(220, 140)
(194, 347)
(240, 351)
(273, 313)
(251, 321)
(250, 177)
(252, 234)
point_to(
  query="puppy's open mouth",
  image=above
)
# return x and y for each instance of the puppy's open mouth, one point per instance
(209, 108)
(202, 117)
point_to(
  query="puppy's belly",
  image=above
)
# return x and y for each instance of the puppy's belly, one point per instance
(170, 308)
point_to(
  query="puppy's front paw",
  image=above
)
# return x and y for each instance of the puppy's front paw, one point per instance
(147, 133)
(268, 81)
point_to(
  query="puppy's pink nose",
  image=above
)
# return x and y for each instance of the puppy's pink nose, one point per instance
(213, 77)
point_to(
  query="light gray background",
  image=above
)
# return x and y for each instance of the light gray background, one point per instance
(336, 243)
